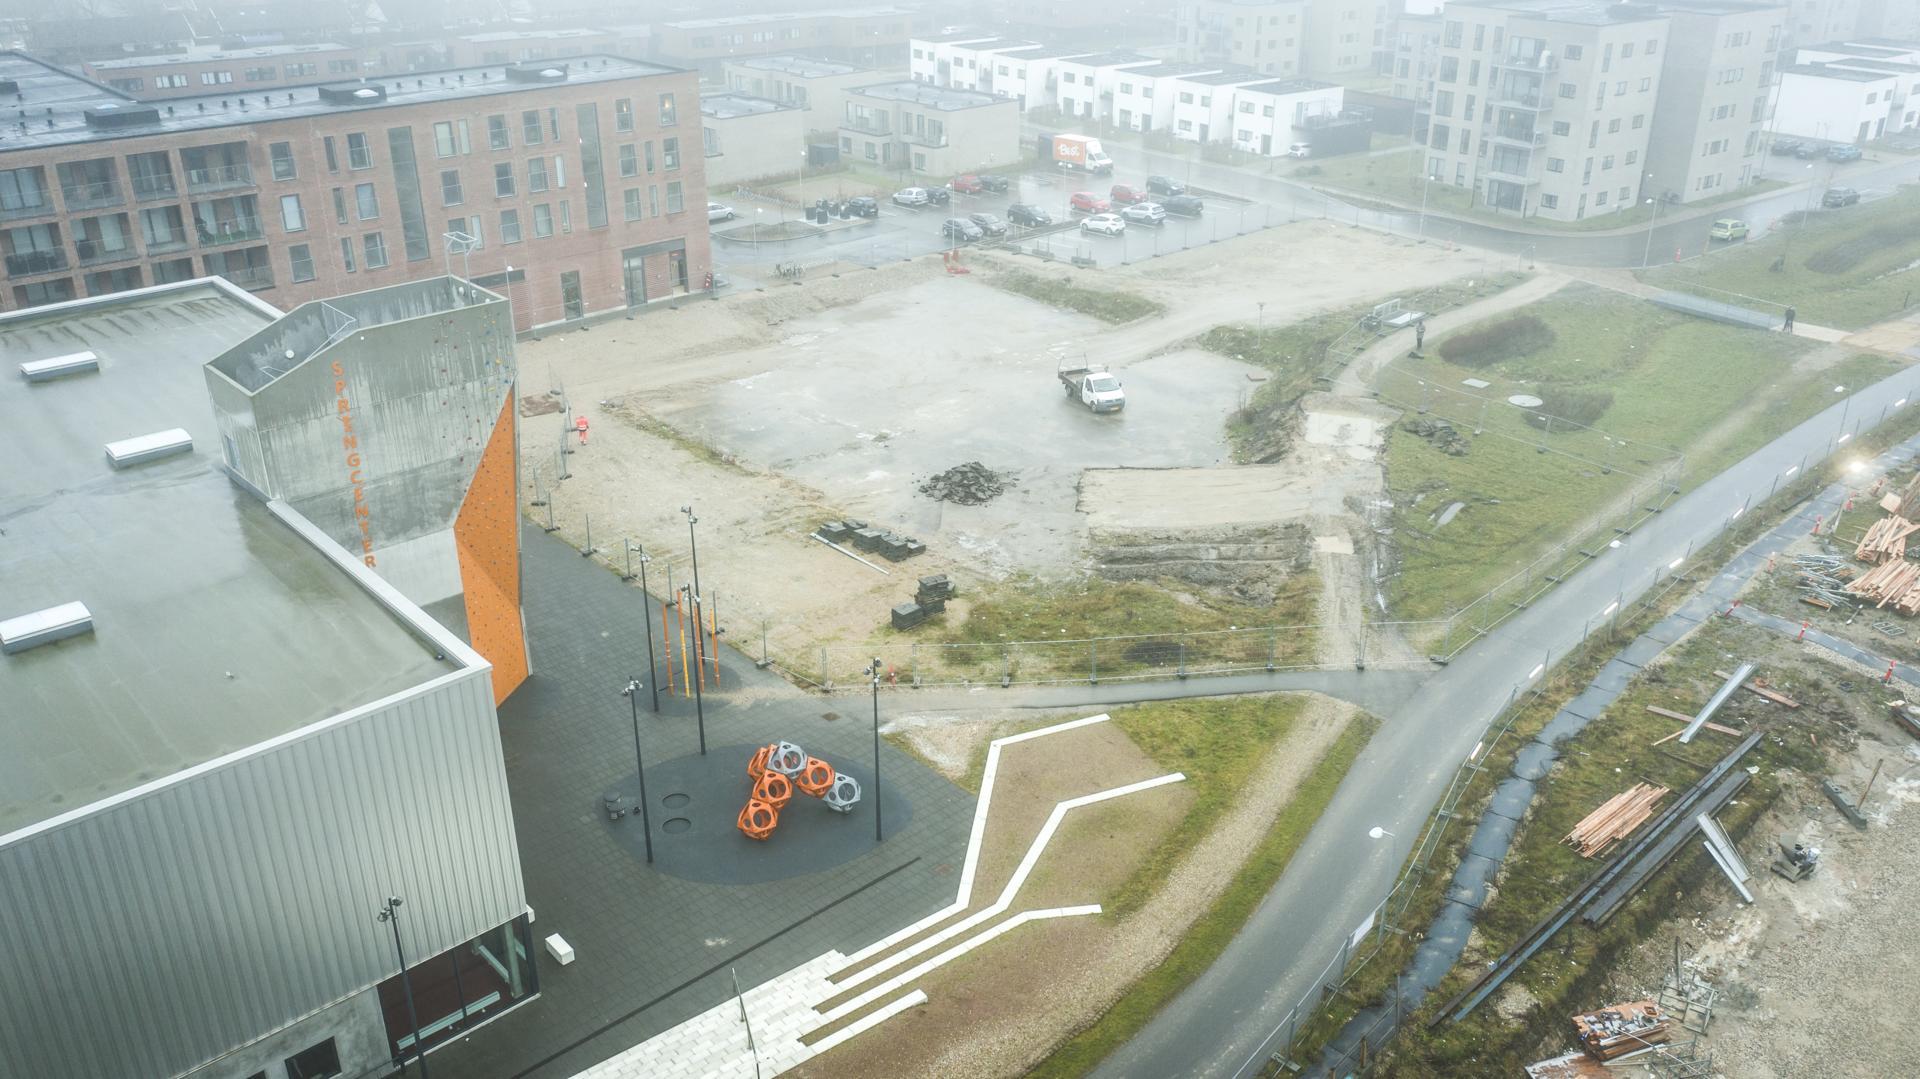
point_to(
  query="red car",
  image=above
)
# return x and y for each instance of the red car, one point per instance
(968, 185)
(1126, 195)
(1086, 202)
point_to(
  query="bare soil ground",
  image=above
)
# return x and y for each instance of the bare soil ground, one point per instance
(1000, 1010)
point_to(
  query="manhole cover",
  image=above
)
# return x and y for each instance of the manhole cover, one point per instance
(674, 801)
(1525, 400)
(676, 825)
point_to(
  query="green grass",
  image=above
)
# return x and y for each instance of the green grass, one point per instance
(1212, 932)
(1671, 378)
(1846, 268)
(1106, 304)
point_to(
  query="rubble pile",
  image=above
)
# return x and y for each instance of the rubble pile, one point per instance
(1442, 434)
(970, 484)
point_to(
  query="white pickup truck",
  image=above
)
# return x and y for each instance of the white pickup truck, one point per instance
(1093, 384)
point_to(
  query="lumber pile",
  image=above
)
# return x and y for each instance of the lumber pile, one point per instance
(1621, 1029)
(1890, 584)
(1615, 820)
(1910, 497)
(1885, 540)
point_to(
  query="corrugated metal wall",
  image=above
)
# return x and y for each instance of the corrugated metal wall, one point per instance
(149, 937)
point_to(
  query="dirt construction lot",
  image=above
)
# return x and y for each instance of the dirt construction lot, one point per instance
(772, 411)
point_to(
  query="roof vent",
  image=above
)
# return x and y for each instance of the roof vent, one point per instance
(45, 627)
(537, 72)
(135, 451)
(353, 93)
(59, 367)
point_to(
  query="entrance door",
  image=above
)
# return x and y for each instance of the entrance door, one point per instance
(634, 268)
(677, 269)
(1266, 145)
(570, 300)
(1203, 132)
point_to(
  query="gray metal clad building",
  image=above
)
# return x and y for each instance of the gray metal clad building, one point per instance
(212, 776)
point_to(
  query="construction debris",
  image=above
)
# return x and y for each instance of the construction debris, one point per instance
(1574, 1065)
(1442, 434)
(1684, 718)
(1896, 583)
(1615, 820)
(970, 484)
(1621, 1029)
(1886, 540)
(1759, 685)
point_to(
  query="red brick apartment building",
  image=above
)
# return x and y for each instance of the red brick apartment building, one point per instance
(573, 187)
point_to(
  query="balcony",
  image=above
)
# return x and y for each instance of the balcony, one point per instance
(1524, 102)
(233, 230)
(177, 242)
(89, 196)
(36, 205)
(92, 252)
(926, 141)
(36, 262)
(869, 127)
(251, 278)
(1513, 137)
(219, 177)
(1519, 179)
(149, 188)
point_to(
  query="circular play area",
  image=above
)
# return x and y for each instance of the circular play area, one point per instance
(696, 808)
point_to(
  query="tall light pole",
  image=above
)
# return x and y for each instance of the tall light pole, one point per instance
(693, 545)
(699, 665)
(646, 616)
(1845, 403)
(631, 691)
(1647, 255)
(1424, 184)
(873, 672)
(390, 913)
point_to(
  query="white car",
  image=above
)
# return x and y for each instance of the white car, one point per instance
(1109, 224)
(1299, 149)
(719, 212)
(911, 196)
(1146, 213)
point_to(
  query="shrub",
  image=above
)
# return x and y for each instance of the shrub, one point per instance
(1493, 342)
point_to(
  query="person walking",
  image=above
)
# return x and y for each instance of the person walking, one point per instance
(1789, 324)
(1420, 333)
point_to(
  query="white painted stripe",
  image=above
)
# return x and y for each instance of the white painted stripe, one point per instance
(964, 899)
(869, 1021)
(955, 952)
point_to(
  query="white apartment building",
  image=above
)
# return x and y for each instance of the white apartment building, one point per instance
(930, 130)
(1260, 35)
(815, 87)
(1709, 132)
(1849, 91)
(1271, 116)
(1544, 107)
(1085, 85)
(1199, 108)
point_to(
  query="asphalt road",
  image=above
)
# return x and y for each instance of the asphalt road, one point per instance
(1218, 1026)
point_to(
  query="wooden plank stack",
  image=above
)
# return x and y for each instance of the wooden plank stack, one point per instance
(1615, 820)
(1621, 1029)
(1885, 541)
(1895, 584)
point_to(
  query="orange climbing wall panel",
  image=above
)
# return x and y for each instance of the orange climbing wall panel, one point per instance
(487, 536)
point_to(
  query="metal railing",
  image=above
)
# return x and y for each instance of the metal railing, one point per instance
(36, 262)
(93, 251)
(93, 195)
(13, 210)
(146, 188)
(250, 277)
(217, 177)
(233, 230)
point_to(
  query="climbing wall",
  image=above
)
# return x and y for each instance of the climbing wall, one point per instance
(487, 539)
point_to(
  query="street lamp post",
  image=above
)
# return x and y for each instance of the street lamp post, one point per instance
(699, 666)
(693, 545)
(873, 672)
(390, 913)
(631, 691)
(646, 616)
(1845, 403)
(1424, 185)
(1647, 255)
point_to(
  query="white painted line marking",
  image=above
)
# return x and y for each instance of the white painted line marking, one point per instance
(868, 1022)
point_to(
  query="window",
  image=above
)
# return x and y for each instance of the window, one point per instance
(1449, 69)
(365, 202)
(1646, 84)
(444, 144)
(1561, 127)
(669, 116)
(1639, 121)
(376, 249)
(295, 71)
(542, 220)
(281, 154)
(530, 127)
(503, 180)
(333, 160)
(1653, 45)
(1549, 202)
(623, 112)
(497, 138)
(559, 172)
(1568, 89)
(340, 205)
(215, 78)
(292, 218)
(670, 154)
(509, 226)
(300, 259)
(653, 200)
(1606, 162)
(1556, 164)
(1573, 52)
(536, 175)
(629, 160)
(346, 253)
(169, 82)
(1632, 156)
(1443, 103)
(128, 86)
(1613, 126)
(450, 193)
(1626, 51)
(359, 154)
(315, 1062)
(673, 197)
(1601, 198)
(631, 197)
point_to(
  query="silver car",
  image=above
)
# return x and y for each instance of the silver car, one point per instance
(1145, 213)
(911, 196)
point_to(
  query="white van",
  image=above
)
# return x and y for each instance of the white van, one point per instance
(1299, 149)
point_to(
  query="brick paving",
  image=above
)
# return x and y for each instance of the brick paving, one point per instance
(654, 950)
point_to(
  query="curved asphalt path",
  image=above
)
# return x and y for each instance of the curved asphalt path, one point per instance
(1219, 1025)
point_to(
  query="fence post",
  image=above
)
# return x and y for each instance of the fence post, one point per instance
(1273, 648)
(587, 551)
(823, 669)
(765, 662)
(1182, 673)
(1093, 662)
(1006, 674)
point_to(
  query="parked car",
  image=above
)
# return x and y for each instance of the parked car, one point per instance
(1145, 213)
(1785, 147)
(968, 185)
(1839, 196)
(959, 228)
(1086, 202)
(1109, 224)
(1161, 185)
(1182, 205)
(718, 212)
(1806, 151)
(1843, 152)
(1728, 228)
(939, 196)
(1126, 194)
(994, 183)
(863, 206)
(1299, 149)
(911, 196)
(1033, 217)
(989, 224)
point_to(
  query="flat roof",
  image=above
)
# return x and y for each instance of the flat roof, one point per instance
(1873, 65)
(1859, 49)
(1583, 12)
(202, 55)
(69, 97)
(727, 106)
(1290, 86)
(216, 626)
(1845, 74)
(1176, 69)
(1226, 78)
(1110, 59)
(787, 16)
(805, 67)
(943, 98)
(1055, 52)
(523, 35)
